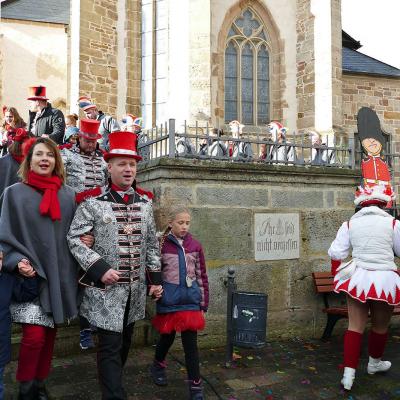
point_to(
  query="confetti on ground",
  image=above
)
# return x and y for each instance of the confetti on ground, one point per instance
(236, 356)
(250, 358)
(280, 372)
(312, 368)
(305, 381)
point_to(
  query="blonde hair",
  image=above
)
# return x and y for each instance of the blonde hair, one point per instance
(73, 118)
(172, 212)
(59, 165)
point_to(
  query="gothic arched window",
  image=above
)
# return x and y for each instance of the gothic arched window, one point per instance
(247, 69)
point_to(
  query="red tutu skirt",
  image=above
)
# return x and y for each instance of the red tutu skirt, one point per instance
(179, 321)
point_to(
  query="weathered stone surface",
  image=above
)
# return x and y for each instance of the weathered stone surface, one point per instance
(225, 233)
(330, 199)
(296, 199)
(345, 198)
(319, 228)
(232, 196)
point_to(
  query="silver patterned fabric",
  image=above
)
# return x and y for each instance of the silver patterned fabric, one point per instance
(84, 171)
(30, 313)
(105, 308)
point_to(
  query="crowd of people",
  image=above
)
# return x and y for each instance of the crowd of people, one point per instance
(78, 241)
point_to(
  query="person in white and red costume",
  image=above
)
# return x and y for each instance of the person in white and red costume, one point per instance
(370, 280)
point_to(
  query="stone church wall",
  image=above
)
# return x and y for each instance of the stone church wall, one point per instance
(383, 94)
(224, 197)
(99, 51)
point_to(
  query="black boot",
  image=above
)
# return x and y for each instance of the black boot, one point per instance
(27, 390)
(196, 390)
(41, 391)
(157, 371)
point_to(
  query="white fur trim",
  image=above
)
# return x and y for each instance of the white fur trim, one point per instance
(373, 196)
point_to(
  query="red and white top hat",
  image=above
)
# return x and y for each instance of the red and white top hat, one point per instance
(122, 144)
(37, 93)
(89, 129)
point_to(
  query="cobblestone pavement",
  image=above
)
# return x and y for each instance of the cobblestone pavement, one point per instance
(294, 369)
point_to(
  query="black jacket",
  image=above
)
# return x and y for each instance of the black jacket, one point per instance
(51, 122)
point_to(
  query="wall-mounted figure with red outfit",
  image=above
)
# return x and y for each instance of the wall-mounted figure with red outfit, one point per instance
(370, 280)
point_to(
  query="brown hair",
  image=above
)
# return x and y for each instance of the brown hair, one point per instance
(73, 118)
(59, 165)
(18, 122)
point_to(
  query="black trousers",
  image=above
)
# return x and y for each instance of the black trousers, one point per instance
(112, 353)
(189, 342)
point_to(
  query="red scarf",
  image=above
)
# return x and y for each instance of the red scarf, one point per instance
(49, 205)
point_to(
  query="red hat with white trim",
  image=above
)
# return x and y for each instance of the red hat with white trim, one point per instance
(37, 93)
(122, 144)
(376, 194)
(89, 129)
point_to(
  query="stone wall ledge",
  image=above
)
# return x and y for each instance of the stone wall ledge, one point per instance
(226, 171)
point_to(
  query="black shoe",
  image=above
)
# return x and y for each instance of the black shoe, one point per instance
(41, 391)
(27, 390)
(157, 372)
(196, 390)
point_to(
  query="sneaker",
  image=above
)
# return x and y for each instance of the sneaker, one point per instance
(196, 390)
(348, 378)
(377, 365)
(86, 340)
(157, 372)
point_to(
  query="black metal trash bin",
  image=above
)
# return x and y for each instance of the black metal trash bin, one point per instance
(249, 319)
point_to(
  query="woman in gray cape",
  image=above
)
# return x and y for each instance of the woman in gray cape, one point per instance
(35, 219)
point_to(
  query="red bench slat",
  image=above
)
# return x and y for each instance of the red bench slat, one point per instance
(325, 289)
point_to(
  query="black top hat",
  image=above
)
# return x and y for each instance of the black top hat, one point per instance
(368, 125)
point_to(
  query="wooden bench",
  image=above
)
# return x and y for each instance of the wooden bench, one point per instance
(323, 282)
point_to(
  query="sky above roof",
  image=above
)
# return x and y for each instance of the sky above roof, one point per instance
(376, 24)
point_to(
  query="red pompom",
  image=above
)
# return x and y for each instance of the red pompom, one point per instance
(27, 146)
(4, 110)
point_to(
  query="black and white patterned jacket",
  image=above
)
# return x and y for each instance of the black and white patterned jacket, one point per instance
(104, 306)
(83, 171)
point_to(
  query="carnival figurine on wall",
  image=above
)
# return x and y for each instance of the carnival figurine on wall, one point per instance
(374, 169)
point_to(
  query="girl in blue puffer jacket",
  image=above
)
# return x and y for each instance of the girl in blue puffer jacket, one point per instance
(184, 300)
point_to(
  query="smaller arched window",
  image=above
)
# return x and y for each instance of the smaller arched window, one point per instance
(247, 72)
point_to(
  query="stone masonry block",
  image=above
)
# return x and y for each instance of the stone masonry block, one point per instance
(297, 199)
(224, 195)
(226, 233)
(319, 228)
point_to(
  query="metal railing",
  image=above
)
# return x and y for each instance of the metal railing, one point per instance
(201, 143)
(205, 143)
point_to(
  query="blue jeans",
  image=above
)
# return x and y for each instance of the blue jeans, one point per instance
(1, 383)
